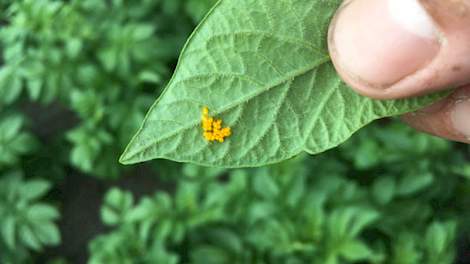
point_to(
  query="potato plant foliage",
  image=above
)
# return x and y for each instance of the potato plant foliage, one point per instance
(78, 76)
(263, 66)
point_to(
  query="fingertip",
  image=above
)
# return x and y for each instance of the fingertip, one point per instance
(449, 118)
(388, 49)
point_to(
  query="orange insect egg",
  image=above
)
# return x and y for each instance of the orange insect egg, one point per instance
(212, 128)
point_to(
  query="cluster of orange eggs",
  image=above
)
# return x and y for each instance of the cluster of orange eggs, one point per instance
(213, 130)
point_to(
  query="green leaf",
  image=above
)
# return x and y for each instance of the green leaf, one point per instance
(413, 183)
(436, 237)
(383, 190)
(463, 170)
(264, 68)
(117, 205)
(42, 212)
(209, 255)
(363, 218)
(34, 189)
(227, 239)
(73, 47)
(355, 251)
(405, 250)
(34, 88)
(10, 85)
(48, 233)
(7, 230)
(350, 222)
(265, 186)
(29, 238)
(10, 127)
(439, 242)
(142, 32)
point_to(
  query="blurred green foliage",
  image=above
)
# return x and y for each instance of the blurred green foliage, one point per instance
(25, 223)
(101, 59)
(366, 202)
(76, 79)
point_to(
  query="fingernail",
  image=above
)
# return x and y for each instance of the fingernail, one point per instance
(460, 117)
(381, 42)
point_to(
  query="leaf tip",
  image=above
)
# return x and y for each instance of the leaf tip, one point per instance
(126, 158)
(130, 155)
(123, 159)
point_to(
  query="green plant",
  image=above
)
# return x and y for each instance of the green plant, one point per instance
(307, 210)
(14, 141)
(26, 223)
(103, 67)
(75, 82)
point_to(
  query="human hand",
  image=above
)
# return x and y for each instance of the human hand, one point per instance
(390, 49)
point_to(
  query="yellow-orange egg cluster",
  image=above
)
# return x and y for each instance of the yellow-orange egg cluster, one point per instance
(213, 130)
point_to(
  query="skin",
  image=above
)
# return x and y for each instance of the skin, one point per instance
(397, 63)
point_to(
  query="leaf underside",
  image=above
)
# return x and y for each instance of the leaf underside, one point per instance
(263, 67)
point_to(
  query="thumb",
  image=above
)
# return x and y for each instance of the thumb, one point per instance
(390, 49)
